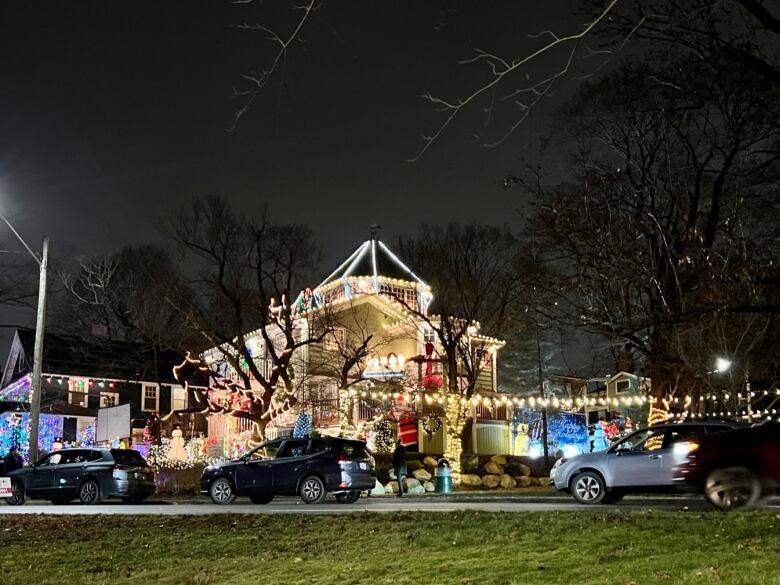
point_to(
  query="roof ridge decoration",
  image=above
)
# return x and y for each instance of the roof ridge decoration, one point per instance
(350, 279)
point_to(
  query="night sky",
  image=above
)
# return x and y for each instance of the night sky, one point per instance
(114, 113)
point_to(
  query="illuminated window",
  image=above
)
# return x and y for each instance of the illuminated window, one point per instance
(78, 391)
(150, 397)
(178, 398)
(108, 399)
(335, 340)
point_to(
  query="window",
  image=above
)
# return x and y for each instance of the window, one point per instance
(622, 386)
(647, 440)
(178, 398)
(485, 358)
(293, 448)
(108, 399)
(335, 340)
(318, 446)
(265, 451)
(428, 335)
(680, 434)
(78, 391)
(150, 397)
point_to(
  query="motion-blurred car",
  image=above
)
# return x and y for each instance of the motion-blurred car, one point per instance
(309, 467)
(736, 469)
(643, 461)
(90, 475)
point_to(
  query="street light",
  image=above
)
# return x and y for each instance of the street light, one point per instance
(723, 365)
(35, 386)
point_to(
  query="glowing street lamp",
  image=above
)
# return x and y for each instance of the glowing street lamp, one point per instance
(722, 365)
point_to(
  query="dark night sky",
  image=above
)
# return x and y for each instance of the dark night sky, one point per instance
(112, 113)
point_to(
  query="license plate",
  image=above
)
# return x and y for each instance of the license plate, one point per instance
(364, 466)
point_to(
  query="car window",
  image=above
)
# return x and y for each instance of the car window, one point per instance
(293, 448)
(265, 451)
(646, 440)
(95, 455)
(128, 457)
(49, 460)
(353, 449)
(318, 446)
(681, 434)
(72, 456)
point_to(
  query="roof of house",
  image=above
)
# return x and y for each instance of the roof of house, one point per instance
(96, 357)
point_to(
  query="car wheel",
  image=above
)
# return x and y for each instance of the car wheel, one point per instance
(732, 488)
(348, 497)
(312, 490)
(263, 499)
(588, 488)
(17, 491)
(221, 491)
(89, 492)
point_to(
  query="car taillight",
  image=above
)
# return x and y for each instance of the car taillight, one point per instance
(344, 459)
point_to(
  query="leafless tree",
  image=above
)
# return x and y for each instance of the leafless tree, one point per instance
(246, 270)
(661, 227)
(474, 273)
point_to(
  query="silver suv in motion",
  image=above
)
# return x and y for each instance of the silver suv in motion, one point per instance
(643, 461)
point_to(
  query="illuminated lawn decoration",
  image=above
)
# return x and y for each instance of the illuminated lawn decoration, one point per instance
(15, 431)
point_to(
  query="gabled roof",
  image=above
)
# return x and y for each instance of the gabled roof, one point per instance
(67, 355)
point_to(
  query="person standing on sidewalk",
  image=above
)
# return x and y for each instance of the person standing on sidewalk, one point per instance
(399, 465)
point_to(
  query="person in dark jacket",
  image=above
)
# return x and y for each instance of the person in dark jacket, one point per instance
(12, 461)
(399, 465)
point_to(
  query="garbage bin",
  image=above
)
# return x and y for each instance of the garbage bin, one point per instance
(443, 477)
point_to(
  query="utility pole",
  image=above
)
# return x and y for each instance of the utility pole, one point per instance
(40, 322)
(541, 391)
(35, 390)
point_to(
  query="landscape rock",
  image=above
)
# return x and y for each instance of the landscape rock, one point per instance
(411, 483)
(523, 481)
(492, 468)
(498, 459)
(413, 466)
(534, 481)
(379, 489)
(421, 475)
(515, 469)
(491, 481)
(471, 464)
(507, 482)
(470, 479)
(391, 488)
(429, 487)
(429, 461)
(416, 490)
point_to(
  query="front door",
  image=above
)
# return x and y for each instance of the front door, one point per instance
(638, 460)
(289, 464)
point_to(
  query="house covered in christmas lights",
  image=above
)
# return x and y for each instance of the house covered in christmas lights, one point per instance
(380, 357)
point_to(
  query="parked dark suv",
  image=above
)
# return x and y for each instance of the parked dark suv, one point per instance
(87, 474)
(308, 467)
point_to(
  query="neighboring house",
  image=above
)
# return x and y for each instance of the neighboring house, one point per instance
(82, 375)
(623, 393)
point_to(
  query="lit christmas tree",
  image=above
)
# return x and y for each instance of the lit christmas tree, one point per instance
(383, 436)
(89, 436)
(302, 426)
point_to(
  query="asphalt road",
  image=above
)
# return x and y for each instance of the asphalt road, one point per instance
(383, 505)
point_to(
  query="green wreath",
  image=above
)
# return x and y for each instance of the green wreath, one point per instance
(431, 424)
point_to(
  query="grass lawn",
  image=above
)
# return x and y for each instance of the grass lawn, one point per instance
(463, 548)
